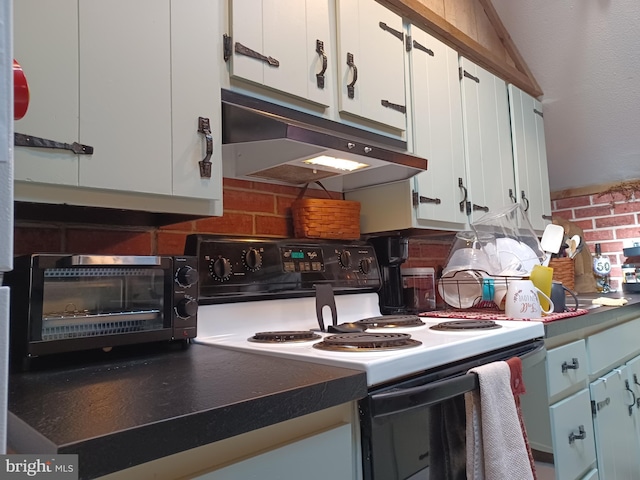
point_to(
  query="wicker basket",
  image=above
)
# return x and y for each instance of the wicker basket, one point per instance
(563, 271)
(325, 218)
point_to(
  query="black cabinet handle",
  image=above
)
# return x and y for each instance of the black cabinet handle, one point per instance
(626, 384)
(320, 51)
(581, 435)
(352, 65)
(205, 164)
(512, 196)
(574, 365)
(524, 197)
(464, 204)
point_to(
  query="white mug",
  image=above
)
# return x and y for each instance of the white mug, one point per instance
(522, 300)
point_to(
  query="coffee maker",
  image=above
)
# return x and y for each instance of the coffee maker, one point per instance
(392, 252)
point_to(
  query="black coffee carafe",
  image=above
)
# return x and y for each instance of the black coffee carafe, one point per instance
(392, 252)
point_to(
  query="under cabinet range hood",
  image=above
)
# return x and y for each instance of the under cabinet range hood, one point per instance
(262, 140)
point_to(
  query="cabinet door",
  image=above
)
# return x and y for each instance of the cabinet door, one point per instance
(572, 436)
(125, 95)
(437, 129)
(487, 136)
(288, 31)
(530, 157)
(371, 39)
(196, 57)
(616, 438)
(50, 62)
(633, 367)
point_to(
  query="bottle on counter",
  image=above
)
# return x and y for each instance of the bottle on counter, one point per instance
(601, 269)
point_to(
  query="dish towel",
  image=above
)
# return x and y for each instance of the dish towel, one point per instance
(495, 444)
(518, 388)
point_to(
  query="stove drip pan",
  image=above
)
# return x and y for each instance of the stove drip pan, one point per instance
(458, 325)
(391, 321)
(285, 336)
(367, 342)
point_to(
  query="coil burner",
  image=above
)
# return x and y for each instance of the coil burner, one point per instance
(285, 336)
(466, 325)
(367, 342)
(391, 321)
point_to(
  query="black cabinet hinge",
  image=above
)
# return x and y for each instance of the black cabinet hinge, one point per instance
(407, 43)
(421, 47)
(226, 47)
(464, 73)
(394, 106)
(538, 112)
(396, 33)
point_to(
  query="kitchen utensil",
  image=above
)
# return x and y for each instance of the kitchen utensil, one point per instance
(522, 300)
(559, 297)
(542, 278)
(515, 257)
(325, 298)
(462, 288)
(551, 241)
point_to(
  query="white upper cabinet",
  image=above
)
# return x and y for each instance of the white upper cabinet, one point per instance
(487, 137)
(284, 45)
(437, 131)
(130, 80)
(371, 63)
(530, 156)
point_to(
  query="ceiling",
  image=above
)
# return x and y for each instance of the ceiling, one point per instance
(585, 55)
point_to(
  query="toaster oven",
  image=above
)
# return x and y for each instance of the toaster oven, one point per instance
(65, 303)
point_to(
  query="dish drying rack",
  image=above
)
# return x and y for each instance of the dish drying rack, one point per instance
(483, 300)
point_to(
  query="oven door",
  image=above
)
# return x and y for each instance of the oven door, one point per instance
(415, 429)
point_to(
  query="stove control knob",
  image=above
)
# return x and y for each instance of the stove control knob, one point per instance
(365, 265)
(345, 259)
(220, 269)
(252, 259)
(186, 276)
(187, 307)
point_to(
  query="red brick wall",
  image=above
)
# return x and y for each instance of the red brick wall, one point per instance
(610, 220)
(250, 208)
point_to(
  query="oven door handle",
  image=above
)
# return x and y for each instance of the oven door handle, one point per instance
(403, 399)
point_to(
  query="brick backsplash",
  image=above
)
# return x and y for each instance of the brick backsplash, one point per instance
(611, 220)
(262, 209)
(250, 208)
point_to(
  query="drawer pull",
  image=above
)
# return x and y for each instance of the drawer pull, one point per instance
(574, 365)
(581, 435)
(633, 395)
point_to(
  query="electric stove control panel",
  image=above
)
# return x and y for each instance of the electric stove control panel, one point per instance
(235, 269)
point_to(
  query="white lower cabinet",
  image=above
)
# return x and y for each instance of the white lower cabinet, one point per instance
(572, 436)
(584, 408)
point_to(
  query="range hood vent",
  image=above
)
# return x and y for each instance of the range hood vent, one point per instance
(262, 140)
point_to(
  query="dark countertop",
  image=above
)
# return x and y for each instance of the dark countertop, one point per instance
(598, 318)
(119, 412)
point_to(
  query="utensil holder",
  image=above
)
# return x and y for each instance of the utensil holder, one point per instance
(564, 271)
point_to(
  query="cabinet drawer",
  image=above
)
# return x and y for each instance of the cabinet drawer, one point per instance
(573, 455)
(566, 367)
(612, 347)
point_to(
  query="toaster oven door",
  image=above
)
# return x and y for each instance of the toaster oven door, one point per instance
(79, 302)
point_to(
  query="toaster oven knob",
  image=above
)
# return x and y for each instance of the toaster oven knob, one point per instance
(221, 269)
(365, 265)
(187, 307)
(345, 259)
(186, 276)
(252, 259)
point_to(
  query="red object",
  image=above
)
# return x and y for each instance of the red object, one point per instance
(20, 92)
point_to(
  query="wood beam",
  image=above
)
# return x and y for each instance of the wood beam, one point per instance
(424, 17)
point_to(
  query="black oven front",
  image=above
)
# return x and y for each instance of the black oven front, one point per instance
(415, 429)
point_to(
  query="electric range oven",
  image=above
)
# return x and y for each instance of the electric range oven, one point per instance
(317, 301)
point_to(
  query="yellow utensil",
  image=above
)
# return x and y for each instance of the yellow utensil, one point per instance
(542, 278)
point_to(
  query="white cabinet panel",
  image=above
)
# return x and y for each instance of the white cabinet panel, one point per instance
(488, 148)
(287, 31)
(366, 34)
(613, 346)
(530, 156)
(319, 457)
(572, 435)
(566, 367)
(437, 129)
(125, 95)
(50, 63)
(616, 438)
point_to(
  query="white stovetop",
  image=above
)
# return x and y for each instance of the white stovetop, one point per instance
(231, 325)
